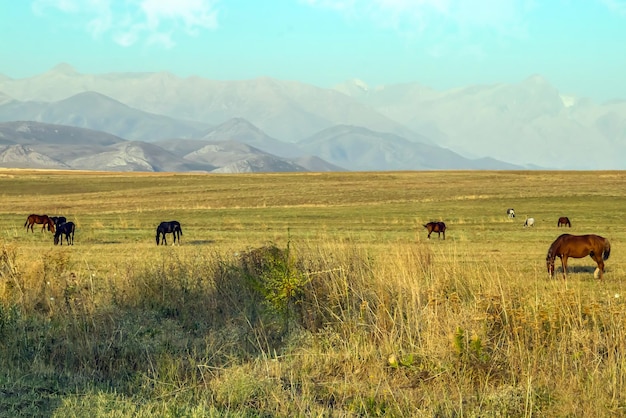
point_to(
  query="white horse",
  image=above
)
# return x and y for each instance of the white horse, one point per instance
(510, 213)
(529, 222)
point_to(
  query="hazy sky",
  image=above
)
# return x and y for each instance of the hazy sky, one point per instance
(579, 46)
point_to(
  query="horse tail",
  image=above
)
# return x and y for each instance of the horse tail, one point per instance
(180, 229)
(607, 249)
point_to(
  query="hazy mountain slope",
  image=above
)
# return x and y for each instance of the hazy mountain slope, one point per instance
(136, 156)
(98, 112)
(260, 164)
(241, 130)
(39, 145)
(529, 123)
(5, 98)
(286, 110)
(357, 148)
(181, 147)
(24, 156)
(526, 122)
(232, 153)
(233, 156)
(26, 132)
(316, 164)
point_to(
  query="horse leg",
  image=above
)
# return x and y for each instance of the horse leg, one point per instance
(598, 259)
(444, 235)
(564, 264)
(601, 268)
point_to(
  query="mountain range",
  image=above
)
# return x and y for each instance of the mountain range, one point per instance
(160, 122)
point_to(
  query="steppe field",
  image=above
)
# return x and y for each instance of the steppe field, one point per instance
(310, 294)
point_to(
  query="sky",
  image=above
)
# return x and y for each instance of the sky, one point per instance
(579, 46)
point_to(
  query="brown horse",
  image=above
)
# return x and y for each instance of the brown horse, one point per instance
(438, 227)
(578, 246)
(39, 219)
(564, 220)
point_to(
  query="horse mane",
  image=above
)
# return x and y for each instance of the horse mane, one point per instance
(555, 246)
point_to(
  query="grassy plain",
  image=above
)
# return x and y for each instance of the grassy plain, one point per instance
(364, 316)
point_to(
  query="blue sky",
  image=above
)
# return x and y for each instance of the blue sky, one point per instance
(579, 46)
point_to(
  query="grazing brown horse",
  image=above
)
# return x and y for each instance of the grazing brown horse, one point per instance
(564, 220)
(438, 227)
(39, 219)
(578, 246)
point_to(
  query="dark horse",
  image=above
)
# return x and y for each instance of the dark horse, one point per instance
(510, 212)
(578, 246)
(438, 227)
(171, 227)
(39, 219)
(564, 220)
(58, 220)
(66, 229)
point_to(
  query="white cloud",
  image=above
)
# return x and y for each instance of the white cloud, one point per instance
(616, 6)
(447, 27)
(155, 22)
(505, 17)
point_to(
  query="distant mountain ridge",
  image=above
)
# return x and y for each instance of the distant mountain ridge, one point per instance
(265, 102)
(529, 123)
(27, 144)
(501, 126)
(99, 112)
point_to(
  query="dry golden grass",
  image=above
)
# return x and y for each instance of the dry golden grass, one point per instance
(370, 319)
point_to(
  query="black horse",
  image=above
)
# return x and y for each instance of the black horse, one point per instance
(171, 227)
(510, 212)
(66, 229)
(58, 220)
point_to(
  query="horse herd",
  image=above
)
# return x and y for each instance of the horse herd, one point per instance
(564, 247)
(59, 226)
